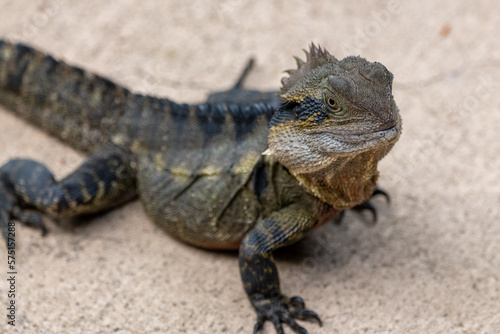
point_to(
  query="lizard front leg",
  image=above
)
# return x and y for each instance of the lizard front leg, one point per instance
(259, 272)
(104, 180)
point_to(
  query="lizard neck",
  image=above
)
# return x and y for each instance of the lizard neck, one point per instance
(345, 183)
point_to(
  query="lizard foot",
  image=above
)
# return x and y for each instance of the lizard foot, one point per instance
(10, 210)
(367, 206)
(280, 309)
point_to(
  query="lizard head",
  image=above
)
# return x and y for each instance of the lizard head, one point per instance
(336, 121)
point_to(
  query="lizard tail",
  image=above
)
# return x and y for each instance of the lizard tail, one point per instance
(79, 107)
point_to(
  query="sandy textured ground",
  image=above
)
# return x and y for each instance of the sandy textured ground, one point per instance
(432, 263)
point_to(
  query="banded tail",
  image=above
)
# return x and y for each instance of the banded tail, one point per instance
(79, 107)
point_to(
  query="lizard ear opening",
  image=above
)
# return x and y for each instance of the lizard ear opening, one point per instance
(286, 112)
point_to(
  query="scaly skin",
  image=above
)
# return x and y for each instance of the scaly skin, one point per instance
(238, 172)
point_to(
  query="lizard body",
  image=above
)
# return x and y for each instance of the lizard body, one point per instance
(237, 172)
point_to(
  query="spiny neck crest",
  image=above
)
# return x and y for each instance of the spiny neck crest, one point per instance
(315, 58)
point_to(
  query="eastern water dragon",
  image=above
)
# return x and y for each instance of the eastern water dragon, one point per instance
(245, 170)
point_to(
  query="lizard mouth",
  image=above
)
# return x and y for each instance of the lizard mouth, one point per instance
(354, 142)
(390, 134)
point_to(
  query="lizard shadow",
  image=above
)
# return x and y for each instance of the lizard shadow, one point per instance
(329, 247)
(333, 244)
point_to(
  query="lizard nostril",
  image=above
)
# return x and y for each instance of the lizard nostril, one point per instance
(376, 72)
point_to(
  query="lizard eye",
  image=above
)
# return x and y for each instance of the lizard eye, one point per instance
(334, 105)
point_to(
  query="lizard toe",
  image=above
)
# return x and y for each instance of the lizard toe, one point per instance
(307, 315)
(29, 218)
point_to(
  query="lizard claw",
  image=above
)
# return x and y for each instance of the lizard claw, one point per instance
(307, 315)
(368, 206)
(279, 309)
(259, 324)
(383, 193)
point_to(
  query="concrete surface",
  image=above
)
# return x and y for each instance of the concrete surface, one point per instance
(431, 264)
